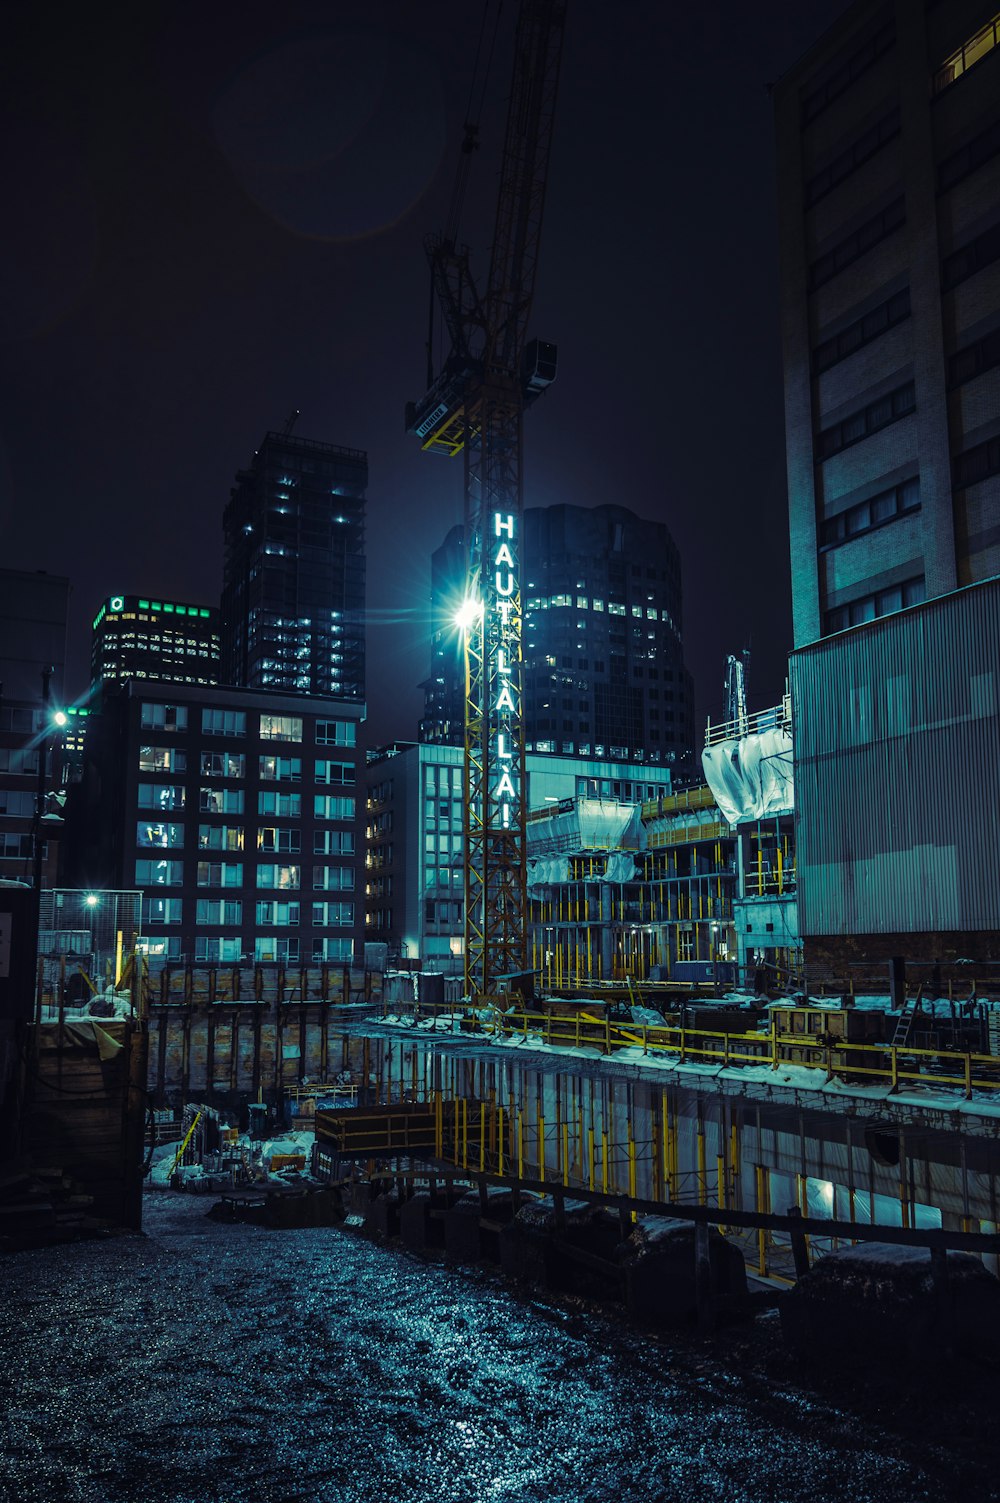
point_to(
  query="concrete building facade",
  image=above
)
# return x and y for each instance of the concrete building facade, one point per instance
(888, 137)
(888, 156)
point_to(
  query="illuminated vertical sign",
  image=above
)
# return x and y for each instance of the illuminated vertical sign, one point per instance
(505, 687)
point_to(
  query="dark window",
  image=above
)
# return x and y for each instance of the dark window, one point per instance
(868, 607)
(976, 358)
(893, 311)
(879, 414)
(852, 157)
(969, 259)
(836, 82)
(857, 244)
(968, 157)
(976, 464)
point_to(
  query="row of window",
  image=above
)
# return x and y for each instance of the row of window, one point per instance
(276, 769)
(862, 331)
(600, 750)
(882, 603)
(840, 80)
(16, 805)
(18, 761)
(167, 797)
(970, 53)
(879, 414)
(228, 912)
(968, 157)
(613, 607)
(273, 875)
(966, 365)
(225, 949)
(20, 720)
(969, 259)
(867, 515)
(273, 839)
(852, 157)
(976, 464)
(234, 723)
(15, 846)
(169, 873)
(857, 244)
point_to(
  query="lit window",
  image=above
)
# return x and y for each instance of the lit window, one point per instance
(280, 728)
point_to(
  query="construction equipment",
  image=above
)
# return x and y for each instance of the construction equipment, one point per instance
(474, 407)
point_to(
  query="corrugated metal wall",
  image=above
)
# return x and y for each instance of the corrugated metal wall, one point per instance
(897, 771)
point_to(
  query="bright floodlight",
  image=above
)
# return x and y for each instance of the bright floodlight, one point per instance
(92, 900)
(468, 613)
(60, 717)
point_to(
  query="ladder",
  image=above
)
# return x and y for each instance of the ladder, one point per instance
(904, 1023)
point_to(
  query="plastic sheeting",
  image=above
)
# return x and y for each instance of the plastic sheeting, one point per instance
(751, 777)
(550, 871)
(586, 824)
(621, 867)
(583, 825)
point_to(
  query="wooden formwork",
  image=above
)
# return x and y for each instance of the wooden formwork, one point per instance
(247, 1050)
(85, 1110)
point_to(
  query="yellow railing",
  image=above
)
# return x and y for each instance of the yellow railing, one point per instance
(835, 1057)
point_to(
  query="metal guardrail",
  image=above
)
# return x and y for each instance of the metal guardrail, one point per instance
(835, 1057)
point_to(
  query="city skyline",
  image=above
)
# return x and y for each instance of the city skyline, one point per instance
(200, 303)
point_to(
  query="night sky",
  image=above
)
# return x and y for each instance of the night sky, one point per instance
(214, 214)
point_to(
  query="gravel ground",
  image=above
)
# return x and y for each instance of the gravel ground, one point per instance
(212, 1363)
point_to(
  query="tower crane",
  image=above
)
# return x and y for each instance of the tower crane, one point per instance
(474, 408)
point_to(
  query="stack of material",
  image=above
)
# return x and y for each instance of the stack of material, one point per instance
(41, 1205)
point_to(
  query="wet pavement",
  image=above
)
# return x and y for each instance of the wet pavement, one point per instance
(213, 1363)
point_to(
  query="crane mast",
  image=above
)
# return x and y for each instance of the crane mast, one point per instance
(476, 407)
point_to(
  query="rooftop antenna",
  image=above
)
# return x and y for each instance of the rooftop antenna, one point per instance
(290, 422)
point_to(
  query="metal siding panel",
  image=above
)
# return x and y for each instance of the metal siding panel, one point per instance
(896, 734)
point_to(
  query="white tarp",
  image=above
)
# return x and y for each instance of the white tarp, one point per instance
(550, 871)
(621, 867)
(751, 777)
(586, 824)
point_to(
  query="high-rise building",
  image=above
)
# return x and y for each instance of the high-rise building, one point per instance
(888, 141)
(293, 598)
(32, 657)
(234, 812)
(135, 637)
(604, 672)
(33, 609)
(888, 135)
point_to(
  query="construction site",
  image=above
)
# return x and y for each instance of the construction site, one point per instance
(655, 1129)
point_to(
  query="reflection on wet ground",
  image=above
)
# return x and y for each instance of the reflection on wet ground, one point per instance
(207, 1363)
